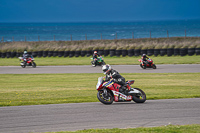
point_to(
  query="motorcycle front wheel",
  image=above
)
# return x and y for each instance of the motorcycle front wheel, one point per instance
(93, 63)
(154, 66)
(139, 98)
(34, 65)
(105, 98)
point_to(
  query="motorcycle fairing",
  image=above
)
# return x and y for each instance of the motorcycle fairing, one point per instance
(112, 85)
(107, 84)
(99, 59)
(119, 96)
(115, 89)
(140, 60)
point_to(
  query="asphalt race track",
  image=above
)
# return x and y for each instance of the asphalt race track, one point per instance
(180, 68)
(80, 116)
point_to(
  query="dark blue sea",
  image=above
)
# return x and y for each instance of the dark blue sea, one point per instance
(98, 30)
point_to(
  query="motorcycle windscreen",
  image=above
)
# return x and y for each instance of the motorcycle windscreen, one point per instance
(100, 80)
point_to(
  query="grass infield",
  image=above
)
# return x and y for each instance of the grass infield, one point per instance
(54, 61)
(195, 128)
(35, 89)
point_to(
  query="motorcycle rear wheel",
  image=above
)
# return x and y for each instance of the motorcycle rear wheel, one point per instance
(103, 63)
(141, 65)
(144, 66)
(23, 66)
(139, 98)
(105, 99)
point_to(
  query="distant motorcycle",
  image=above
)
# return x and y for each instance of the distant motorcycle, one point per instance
(99, 62)
(108, 91)
(148, 64)
(29, 61)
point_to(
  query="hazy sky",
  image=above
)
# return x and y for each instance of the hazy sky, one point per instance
(97, 10)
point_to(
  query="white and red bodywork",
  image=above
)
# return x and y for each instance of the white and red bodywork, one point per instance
(114, 87)
(28, 60)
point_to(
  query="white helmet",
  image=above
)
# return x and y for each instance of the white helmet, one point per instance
(25, 52)
(106, 69)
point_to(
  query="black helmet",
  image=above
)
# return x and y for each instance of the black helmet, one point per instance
(106, 69)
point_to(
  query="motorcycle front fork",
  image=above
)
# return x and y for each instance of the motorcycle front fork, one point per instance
(105, 92)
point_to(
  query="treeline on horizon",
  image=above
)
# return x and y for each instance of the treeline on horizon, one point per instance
(118, 47)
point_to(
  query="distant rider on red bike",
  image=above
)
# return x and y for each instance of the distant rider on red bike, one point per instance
(95, 56)
(113, 74)
(25, 56)
(144, 59)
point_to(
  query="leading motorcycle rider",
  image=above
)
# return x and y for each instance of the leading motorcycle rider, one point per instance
(113, 74)
(95, 55)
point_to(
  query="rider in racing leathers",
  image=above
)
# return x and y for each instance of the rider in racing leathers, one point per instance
(95, 56)
(25, 56)
(113, 74)
(144, 58)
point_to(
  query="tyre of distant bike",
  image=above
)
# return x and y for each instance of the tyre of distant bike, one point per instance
(34, 65)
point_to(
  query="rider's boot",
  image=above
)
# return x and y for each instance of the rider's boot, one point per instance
(129, 89)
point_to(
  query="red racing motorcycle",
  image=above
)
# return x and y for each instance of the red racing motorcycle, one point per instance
(27, 62)
(108, 91)
(149, 64)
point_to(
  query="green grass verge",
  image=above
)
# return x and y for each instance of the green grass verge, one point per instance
(195, 128)
(35, 89)
(53, 61)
